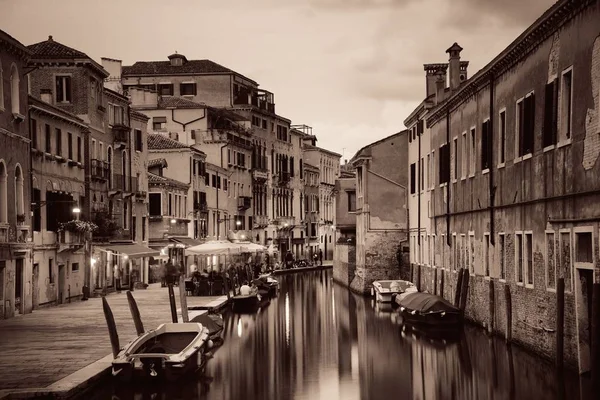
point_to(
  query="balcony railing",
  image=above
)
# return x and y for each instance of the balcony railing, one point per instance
(200, 206)
(122, 183)
(120, 133)
(244, 202)
(100, 170)
(260, 175)
(283, 178)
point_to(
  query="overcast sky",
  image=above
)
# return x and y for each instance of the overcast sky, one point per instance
(351, 69)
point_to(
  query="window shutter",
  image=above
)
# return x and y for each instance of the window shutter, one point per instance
(68, 89)
(529, 124)
(484, 145)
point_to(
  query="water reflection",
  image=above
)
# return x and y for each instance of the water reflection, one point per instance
(317, 340)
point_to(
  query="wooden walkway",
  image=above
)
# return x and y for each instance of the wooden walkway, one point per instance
(41, 348)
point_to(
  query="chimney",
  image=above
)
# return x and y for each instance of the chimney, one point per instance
(431, 72)
(440, 87)
(454, 62)
(46, 96)
(50, 38)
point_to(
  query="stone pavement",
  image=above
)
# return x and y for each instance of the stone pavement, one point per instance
(41, 348)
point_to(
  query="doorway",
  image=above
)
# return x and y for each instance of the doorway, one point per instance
(34, 288)
(584, 280)
(19, 286)
(62, 278)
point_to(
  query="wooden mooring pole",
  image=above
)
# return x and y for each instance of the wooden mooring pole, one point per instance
(508, 301)
(458, 287)
(596, 338)
(560, 322)
(135, 313)
(183, 299)
(112, 327)
(172, 303)
(464, 289)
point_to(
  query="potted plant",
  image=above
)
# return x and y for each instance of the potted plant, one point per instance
(20, 219)
(74, 229)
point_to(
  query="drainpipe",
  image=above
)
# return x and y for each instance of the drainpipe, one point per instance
(419, 188)
(491, 158)
(448, 238)
(184, 124)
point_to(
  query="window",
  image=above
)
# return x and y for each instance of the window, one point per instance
(428, 181)
(70, 145)
(432, 170)
(78, 149)
(443, 251)
(155, 204)
(502, 136)
(34, 133)
(525, 124)
(486, 146)
(63, 89)
(214, 181)
(15, 93)
(566, 104)
(584, 247)
(170, 205)
(454, 252)
(51, 277)
(502, 255)
(463, 156)
(455, 159)
(471, 253)
(412, 178)
(550, 260)
(486, 253)
(422, 172)
(48, 139)
(565, 258)
(550, 114)
(159, 123)
(139, 144)
(165, 89)
(529, 258)
(187, 89)
(143, 228)
(444, 164)
(351, 201)
(19, 191)
(472, 152)
(519, 256)
(74, 267)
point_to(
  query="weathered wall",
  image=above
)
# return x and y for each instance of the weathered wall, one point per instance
(344, 263)
(344, 217)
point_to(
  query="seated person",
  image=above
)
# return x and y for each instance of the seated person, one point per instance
(245, 290)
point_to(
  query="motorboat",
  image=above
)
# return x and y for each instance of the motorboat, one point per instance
(427, 311)
(384, 290)
(169, 351)
(249, 303)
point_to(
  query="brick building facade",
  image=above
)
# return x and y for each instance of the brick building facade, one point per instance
(514, 186)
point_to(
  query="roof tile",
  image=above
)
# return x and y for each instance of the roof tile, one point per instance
(52, 49)
(165, 68)
(177, 102)
(157, 141)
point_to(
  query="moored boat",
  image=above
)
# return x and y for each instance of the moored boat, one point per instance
(169, 351)
(384, 290)
(249, 303)
(428, 311)
(267, 286)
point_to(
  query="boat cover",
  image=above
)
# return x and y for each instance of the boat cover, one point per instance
(425, 302)
(212, 322)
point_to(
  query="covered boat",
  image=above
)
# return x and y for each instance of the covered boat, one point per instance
(211, 321)
(169, 351)
(384, 290)
(428, 311)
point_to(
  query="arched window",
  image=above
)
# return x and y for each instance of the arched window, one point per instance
(1, 88)
(19, 203)
(15, 99)
(3, 193)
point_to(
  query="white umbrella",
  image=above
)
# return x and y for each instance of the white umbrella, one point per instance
(252, 248)
(215, 247)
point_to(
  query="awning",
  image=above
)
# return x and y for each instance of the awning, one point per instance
(187, 241)
(133, 250)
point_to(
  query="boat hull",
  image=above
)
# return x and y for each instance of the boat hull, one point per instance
(384, 291)
(245, 304)
(167, 353)
(438, 321)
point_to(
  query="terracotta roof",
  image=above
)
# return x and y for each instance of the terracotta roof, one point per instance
(165, 68)
(177, 102)
(157, 180)
(52, 49)
(138, 114)
(158, 162)
(157, 141)
(6, 38)
(37, 103)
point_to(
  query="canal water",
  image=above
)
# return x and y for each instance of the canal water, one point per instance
(317, 340)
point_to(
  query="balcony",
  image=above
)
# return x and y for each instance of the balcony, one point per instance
(200, 206)
(284, 222)
(120, 134)
(244, 202)
(100, 170)
(122, 183)
(283, 178)
(260, 221)
(69, 241)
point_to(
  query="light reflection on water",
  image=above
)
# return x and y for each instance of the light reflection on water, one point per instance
(314, 343)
